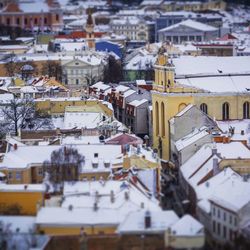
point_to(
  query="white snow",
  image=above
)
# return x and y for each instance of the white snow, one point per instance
(22, 188)
(160, 222)
(210, 65)
(191, 24)
(187, 226)
(194, 136)
(25, 224)
(26, 156)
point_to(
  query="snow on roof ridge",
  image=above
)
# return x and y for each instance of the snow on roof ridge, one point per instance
(192, 24)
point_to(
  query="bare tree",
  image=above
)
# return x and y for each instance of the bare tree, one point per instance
(17, 113)
(64, 165)
(11, 66)
(52, 69)
(113, 71)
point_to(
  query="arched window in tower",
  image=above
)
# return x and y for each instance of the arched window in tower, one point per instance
(203, 108)
(182, 106)
(157, 118)
(246, 110)
(162, 119)
(225, 111)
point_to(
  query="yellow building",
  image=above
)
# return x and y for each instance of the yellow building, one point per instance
(57, 106)
(222, 96)
(195, 5)
(21, 199)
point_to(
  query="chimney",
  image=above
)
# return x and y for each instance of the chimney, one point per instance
(147, 220)
(214, 149)
(126, 196)
(96, 196)
(112, 196)
(95, 206)
(215, 166)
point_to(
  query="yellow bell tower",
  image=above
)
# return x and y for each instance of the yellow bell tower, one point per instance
(164, 72)
(90, 38)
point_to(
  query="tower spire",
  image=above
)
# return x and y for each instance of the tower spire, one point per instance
(90, 37)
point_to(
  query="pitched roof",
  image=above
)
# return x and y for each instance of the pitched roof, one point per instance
(191, 24)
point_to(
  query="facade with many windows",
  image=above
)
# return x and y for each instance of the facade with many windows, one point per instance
(82, 73)
(132, 27)
(222, 96)
(32, 15)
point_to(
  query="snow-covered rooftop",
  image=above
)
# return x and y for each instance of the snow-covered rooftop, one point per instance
(192, 170)
(22, 188)
(210, 65)
(194, 136)
(187, 226)
(191, 24)
(25, 156)
(233, 195)
(160, 222)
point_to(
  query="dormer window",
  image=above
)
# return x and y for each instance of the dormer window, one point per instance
(106, 163)
(95, 163)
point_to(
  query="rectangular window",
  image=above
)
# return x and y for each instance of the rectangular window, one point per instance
(218, 228)
(18, 175)
(214, 226)
(224, 232)
(40, 171)
(214, 211)
(235, 221)
(10, 176)
(77, 81)
(230, 219)
(218, 213)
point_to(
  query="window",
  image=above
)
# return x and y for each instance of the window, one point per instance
(203, 108)
(225, 216)
(230, 219)
(246, 110)
(235, 221)
(214, 211)
(25, 21)
(18, 175)
(162, 119)
(45, 20)
(96, 155)
(214, 226)
(18, 21)
(224, 232)
(10, 176)
(35, 21)
(225, 111)
(218, 228)
(8, 21)
(157, 117)
(40, 171)
(218, 213)
(77, 81)
(57, 17)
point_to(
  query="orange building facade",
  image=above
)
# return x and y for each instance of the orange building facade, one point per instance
(33, 15)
